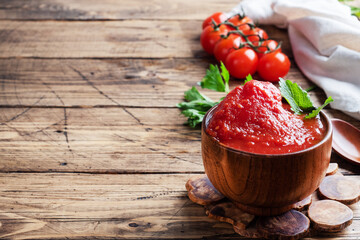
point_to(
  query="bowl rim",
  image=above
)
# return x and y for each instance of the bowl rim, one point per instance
(329, 132)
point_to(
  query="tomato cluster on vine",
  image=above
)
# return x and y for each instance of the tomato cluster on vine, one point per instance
(243, 47)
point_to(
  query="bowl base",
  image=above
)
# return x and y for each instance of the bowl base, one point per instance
(258, 211)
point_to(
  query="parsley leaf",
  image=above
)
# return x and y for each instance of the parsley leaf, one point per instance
(194, 116)
(298, 99)
(226, 76)
(315, 112)
(193, 94)
(215, 80)
(196, 100)
(200, 105)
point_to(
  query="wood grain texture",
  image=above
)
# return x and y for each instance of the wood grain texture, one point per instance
(106, 82)
(303, 204)
(330, 216)
(226, 211)
(291, 225)
(112, 9)
(341, 189)
(97, 140)
(96, 95)
(110, 206)
(108, 39)
(201, 191)
(102, 140)
(332, 169)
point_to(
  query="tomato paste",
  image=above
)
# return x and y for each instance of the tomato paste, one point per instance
(252, 118)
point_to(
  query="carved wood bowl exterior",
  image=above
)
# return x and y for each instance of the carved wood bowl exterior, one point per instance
(265, 184)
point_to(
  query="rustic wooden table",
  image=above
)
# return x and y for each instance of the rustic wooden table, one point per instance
(92, 145)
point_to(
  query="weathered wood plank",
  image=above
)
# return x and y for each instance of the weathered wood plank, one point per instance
(97, 140)
(125, 82)
(108, 206)
(100, 140)
(107, 39)
(112, 9)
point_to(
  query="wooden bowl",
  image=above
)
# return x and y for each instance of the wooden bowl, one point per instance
(264, 184)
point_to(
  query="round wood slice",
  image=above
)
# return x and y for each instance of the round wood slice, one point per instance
(332, 169)
(330, 216)
(340, 188)
(303, 204)
(201, 191)
(250, 231)
(227, 212)
(289, 225)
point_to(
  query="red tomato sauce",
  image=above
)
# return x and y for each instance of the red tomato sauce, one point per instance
(252, 118)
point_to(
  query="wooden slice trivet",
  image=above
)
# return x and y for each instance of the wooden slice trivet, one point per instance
(303, 204)
(250, 231)
(340, 188)
(325, 216)
(227, 212)
(201, 191)
(332, 169)
(330, 216)
(290, 225)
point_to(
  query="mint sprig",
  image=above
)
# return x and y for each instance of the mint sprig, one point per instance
(315, 112)
(299, 99)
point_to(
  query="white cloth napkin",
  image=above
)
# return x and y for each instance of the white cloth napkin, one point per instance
(325, 40)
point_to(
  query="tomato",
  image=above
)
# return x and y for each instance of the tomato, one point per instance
(218, 17)
(209, 37)
(225, 46)
(241, 22)
(267, 45)
(242, 62)
(273, 65)
(256, 34)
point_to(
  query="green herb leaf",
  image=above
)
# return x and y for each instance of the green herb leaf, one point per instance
(298, 99)
(193, 94)
(225, 75)
(194, 116)
(248, 78)
(355, 11)
(200, 105)
(315, 112)
(214, 79)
